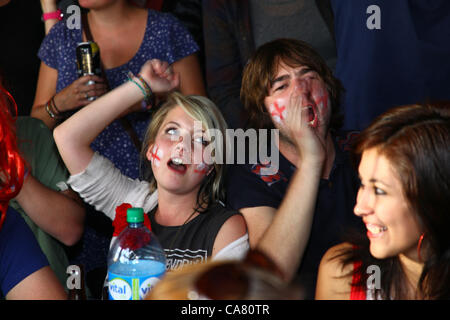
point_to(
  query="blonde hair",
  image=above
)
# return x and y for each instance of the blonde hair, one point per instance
(201, 109)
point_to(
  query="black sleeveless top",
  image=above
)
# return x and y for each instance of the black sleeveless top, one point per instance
(192, 242)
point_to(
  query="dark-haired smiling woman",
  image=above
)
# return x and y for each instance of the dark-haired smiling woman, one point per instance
(404, 158)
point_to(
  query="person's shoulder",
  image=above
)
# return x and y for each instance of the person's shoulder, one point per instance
(61, 30)
(332, 258)
(229, 223)
(58, 42)
(219, 208)
(333, 281)
(234, 223)
(160, 16)
(165, 24)
(219, 213)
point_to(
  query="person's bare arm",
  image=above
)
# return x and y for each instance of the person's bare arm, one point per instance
(258, 220)
(45, 89)
(57, 213)
(40, 285)
(285, 238)
(48, 6)
(283, 234)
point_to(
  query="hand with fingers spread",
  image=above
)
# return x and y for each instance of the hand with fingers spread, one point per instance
(80, 93)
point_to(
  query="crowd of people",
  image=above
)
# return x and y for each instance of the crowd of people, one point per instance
(354, 109)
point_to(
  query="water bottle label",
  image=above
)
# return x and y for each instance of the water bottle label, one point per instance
(131, 287)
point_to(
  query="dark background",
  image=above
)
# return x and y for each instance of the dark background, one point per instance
(21, 34)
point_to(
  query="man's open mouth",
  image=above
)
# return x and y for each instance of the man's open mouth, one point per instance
(312, 116)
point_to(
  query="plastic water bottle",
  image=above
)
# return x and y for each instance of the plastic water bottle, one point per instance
(136, 260)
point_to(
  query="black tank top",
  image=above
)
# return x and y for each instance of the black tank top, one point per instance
(192, 242)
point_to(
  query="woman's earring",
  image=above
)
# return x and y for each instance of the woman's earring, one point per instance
(419, 246)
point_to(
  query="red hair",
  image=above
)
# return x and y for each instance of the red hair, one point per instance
(12, 165)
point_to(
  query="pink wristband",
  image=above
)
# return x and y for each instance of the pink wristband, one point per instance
(52, 15)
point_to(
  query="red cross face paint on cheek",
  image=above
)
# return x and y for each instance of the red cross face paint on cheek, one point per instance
(156, 155)
(278, 111)
(322, 111)
(201, 169)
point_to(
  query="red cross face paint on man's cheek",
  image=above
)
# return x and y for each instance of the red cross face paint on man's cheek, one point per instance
(278, 110)
(322, 111)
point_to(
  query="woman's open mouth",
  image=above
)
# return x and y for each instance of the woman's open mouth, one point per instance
(177, 165)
